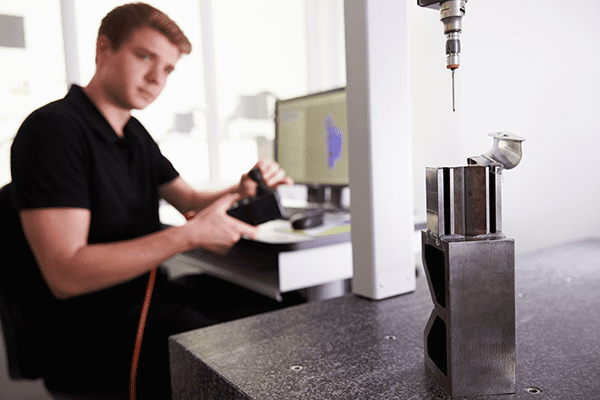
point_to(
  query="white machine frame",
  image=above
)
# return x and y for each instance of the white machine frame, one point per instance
(380, 147)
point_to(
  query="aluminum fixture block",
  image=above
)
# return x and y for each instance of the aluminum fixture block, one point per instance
(471, 334)
(464, 201)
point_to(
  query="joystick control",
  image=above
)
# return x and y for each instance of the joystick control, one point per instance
(262, 188)
(263, 207)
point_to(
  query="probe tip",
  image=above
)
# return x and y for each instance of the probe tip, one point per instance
(453, 103)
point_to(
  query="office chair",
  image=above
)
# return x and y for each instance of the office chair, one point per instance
(22, 356)
(21, 360)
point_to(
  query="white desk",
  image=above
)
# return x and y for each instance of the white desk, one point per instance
(283, 260)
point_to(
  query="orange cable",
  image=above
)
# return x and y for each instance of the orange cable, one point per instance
(140, 334)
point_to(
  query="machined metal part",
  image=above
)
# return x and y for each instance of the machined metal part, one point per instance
(470, 337)
(453, 50)
(470, 267)
(451, 15)
(506, 151)
(464, 202)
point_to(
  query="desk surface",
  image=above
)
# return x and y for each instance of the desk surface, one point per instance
(281, 259)
(354, 348)
(278, 235)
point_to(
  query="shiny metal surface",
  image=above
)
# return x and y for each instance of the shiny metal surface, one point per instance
(470, 268)
(470, 337)
(506, 151)
(467, 200)
(464, 201)
(451, 15)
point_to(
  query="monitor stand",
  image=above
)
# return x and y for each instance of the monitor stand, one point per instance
(315, 194)
(328, 197)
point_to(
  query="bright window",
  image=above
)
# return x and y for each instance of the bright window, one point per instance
(32, 71)
(260, 46)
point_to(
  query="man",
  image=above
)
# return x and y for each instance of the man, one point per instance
(87, 178)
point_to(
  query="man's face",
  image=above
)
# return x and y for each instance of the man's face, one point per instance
(135, 74)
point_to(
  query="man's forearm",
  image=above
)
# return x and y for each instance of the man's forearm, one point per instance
(99, 266)
(203, 199)
(185, 199)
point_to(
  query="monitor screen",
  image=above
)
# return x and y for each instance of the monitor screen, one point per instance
(311, 134)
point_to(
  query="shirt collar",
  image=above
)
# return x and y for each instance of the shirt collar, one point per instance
(98, 122)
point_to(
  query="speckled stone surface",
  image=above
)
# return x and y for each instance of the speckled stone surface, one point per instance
(354, 348)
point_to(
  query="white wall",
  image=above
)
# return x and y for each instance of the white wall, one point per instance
(26, 83)
(529, 68)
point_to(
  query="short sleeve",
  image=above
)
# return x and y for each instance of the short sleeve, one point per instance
(48, 163)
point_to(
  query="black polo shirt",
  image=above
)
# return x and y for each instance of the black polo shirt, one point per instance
(67, 155)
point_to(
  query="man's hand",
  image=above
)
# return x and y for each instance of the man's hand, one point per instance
(272, 175)
(214, 230)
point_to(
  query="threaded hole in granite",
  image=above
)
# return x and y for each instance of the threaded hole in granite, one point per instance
(436, 345)
(435, 262)
(533, 390)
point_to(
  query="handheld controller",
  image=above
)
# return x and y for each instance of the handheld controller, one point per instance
(263, 207)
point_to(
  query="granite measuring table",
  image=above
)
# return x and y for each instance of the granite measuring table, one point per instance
(355, 348)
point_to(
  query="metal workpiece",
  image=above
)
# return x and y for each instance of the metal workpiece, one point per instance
(470, 267)
(506, 151)
(470, 337)
(464, 202)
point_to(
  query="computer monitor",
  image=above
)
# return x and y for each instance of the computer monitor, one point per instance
(311, 143)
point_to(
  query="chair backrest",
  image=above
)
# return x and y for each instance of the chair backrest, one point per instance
(21, 356)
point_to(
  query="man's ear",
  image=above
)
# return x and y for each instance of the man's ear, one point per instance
(102, 45)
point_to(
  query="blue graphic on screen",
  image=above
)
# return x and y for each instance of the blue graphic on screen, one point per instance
(334, 138)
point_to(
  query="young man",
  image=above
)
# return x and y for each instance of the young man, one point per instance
(87, 179)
